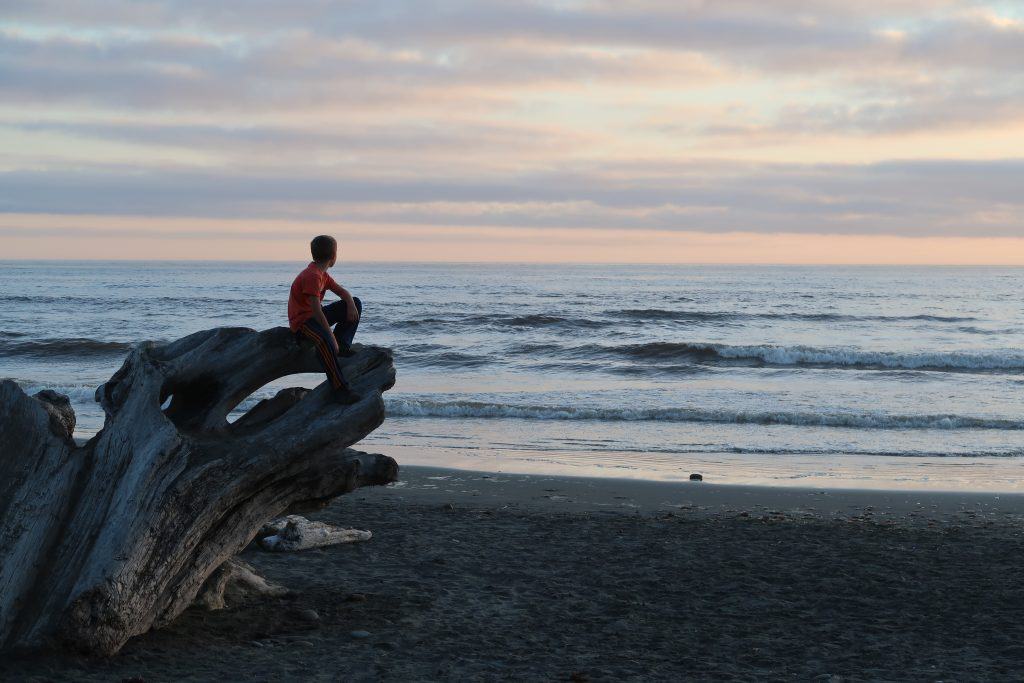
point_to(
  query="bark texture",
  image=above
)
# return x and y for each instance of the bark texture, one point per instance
(102, 542)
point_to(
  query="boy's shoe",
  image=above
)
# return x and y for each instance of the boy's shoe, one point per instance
(344, 396)
(345, 352)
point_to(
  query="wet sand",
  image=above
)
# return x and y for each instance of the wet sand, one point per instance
(482, 576)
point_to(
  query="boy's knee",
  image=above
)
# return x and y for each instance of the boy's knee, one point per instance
(359, 303)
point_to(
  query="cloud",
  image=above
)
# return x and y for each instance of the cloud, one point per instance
(574, 114)
(278, 145)
(950, 198)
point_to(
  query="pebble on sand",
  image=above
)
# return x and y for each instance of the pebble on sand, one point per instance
(696, 477)
(360, 634)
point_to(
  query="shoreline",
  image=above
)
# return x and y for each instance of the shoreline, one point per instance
(853, 472)
(419, 484)
(964, 476)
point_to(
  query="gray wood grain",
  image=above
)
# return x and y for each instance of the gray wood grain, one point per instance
(104, 541)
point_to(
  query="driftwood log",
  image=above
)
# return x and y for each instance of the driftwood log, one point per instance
(105, 541)
(235, 581)
(294, 532)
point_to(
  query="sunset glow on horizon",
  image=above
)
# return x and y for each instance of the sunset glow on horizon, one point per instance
(576, 131)
(242, 240)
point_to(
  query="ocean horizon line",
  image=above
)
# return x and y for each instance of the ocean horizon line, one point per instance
(720, 264)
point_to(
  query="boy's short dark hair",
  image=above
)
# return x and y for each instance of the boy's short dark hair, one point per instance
(323, 247)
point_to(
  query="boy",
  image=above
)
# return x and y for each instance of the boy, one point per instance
(308, 319)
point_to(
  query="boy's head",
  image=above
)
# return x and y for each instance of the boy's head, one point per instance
(324, 249)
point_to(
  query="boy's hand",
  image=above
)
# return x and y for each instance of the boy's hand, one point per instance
(351, 314)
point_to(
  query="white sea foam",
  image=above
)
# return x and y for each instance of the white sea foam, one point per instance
(1006, 360)
(427, 407)
(78, 393)
(953, 360)
(411, 407)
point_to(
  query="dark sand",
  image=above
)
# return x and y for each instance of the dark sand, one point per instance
(475, 576)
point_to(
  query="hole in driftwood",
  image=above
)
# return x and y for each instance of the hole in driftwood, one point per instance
(187, 404)
(273, 399)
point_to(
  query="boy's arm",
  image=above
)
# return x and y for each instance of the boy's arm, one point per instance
(318, 315)
(351, 312)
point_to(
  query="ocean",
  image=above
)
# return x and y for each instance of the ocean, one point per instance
(859, 377)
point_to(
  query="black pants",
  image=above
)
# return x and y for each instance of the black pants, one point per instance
(344, 333)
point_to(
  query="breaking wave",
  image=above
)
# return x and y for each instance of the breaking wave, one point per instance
(407, 407)
(771, 355)
(62, 348)
(496, 320)
(613, 318)
(78, 393)
(702, 316)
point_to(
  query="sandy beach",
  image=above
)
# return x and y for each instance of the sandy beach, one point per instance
(482, 576)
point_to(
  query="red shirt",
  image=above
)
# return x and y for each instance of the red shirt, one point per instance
(310, 282)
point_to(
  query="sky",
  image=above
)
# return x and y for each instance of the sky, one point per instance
(691, 131)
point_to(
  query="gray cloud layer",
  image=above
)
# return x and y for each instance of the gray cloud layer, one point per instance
(435, 112)
(908, 198)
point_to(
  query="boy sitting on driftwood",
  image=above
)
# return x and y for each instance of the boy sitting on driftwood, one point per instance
(309, 319)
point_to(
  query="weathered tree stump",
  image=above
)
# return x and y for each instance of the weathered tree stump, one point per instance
(102, 542)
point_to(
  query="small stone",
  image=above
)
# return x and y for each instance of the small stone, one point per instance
(303, 643)
(360, 634)
(696, 477)
(309, 615)
(355, 597)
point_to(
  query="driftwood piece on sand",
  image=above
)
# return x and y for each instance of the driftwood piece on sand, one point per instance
(102, 542)
(294, 532)
(235, 581)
